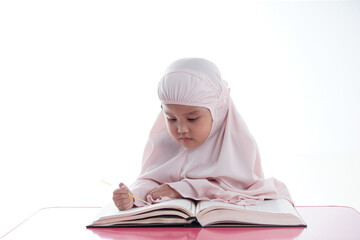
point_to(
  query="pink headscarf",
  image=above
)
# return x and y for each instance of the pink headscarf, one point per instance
(227, 166)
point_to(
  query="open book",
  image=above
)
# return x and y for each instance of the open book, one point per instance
(185, 212)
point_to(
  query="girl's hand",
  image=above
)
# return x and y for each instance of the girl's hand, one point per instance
(164, 191)
(122, 199)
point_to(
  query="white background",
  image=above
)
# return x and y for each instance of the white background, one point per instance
(78, 83)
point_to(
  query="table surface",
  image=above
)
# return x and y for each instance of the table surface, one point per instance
(324, 222)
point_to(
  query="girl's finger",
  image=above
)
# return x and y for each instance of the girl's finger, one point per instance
(121, 196)
(123, 205)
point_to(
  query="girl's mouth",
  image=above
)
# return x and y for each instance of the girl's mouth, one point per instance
(185, 139)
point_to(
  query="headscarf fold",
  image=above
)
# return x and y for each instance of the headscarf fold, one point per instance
(226, 167)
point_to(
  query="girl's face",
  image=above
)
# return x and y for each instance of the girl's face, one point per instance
(188, 125)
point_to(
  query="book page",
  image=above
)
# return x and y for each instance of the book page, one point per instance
(278, 212)
(184, 205)
(274, 206)
(271, 206)
(206, 204)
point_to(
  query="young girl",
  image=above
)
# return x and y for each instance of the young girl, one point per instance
(199, 147)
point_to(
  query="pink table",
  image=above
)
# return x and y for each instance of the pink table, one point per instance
(69, 223)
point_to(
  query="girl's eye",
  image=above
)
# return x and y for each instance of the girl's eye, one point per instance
(192, 119)
(171, 119)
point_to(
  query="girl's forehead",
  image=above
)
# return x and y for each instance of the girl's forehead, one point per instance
(181, 109)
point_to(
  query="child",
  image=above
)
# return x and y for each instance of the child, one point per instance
(199, 147)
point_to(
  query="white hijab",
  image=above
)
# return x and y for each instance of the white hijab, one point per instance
(227, 166)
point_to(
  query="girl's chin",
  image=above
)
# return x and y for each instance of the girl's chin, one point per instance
(190, 144)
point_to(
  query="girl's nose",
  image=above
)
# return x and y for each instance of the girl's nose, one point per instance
(182, 128)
